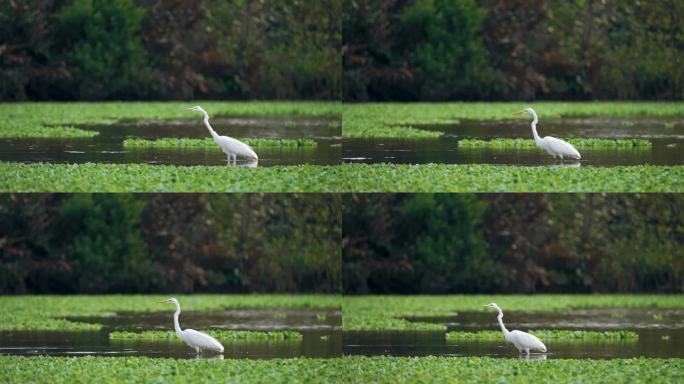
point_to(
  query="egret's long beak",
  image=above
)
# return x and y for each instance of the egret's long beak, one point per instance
(163, 301)
(484, 305)
(188, 109)
(519, 112)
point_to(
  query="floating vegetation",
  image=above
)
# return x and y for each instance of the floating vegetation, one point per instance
(389, 312)
(46, 312)
(35, 130)
(218, 334)
(210, 144)
(390, 120)
(577, 142)
(348, 369)
(89, 177)
(57, 120)
(548, 334)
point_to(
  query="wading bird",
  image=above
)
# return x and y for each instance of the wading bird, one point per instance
(523, 341)
(555, 147)
(231, 147)
(195, 339)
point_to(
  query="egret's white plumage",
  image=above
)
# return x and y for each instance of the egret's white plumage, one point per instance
(523, 341)
(555, 147)
(195, 339)
(231, 147)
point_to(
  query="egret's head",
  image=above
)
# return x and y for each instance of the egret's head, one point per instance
(196, 108)
(492, 305)
(170, 301)
(529, 111)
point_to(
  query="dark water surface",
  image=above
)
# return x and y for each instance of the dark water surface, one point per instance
(666, 135)
(321, 330)
(661, 334)
(107, 147)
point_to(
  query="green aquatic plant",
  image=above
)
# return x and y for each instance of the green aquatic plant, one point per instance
(550, 334)
(577, 142)
(61, 120)
(47, 312)
(389, 120)
(33, 130)
(221, 335)
(89, 177)
(208, 143)
(348, 369)
(389, 312)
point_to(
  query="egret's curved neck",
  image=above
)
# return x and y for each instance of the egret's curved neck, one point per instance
(206, 122)
(176, 326)
(503, 327)
(534, 126)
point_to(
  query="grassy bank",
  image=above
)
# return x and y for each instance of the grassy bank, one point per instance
(347, 370)
(399, 120)
(387, 313)
(47, 312)
(39, 177)
(52, 120)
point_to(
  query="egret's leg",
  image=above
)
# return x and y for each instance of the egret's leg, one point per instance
(527, 352)
(198, 350)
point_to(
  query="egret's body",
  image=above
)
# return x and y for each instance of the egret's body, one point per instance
(195, 339)
(555, 147)
(231, 147)
(523, 341)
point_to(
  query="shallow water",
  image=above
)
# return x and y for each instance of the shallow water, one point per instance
(320, 328)
(667, 148)
(107, 147)
(661, 334)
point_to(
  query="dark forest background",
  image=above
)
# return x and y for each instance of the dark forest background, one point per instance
(405, 50)
(361, 50)
(513, 243)
(170, 49)
(106, 243)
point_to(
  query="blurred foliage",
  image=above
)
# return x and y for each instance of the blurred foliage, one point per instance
(513, 243)
(163, 49)
(512, 50)
(104, 243)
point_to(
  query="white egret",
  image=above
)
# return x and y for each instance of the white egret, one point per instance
(555, 147)
(195, 339)
(231, 147)
(523, 341)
